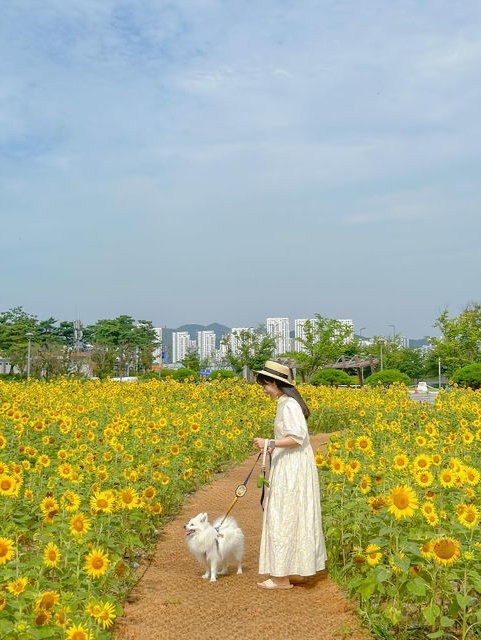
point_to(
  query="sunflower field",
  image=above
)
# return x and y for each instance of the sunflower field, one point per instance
(89, 472)
(400, 492)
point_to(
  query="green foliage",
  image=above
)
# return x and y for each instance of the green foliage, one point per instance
(221, 374)
(324, 341)
(254, 347)
(387, 376)
(460, 342)
(192, 361)
(331, 377)
(122, 343)
(185, 375)
(166, 373)
(468, 376)
(395, 356)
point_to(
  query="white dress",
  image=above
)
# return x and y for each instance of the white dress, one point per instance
(292, 541)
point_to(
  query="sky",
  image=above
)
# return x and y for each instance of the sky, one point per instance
(228, 161)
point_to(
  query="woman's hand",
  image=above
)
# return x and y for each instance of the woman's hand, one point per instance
(259, 442)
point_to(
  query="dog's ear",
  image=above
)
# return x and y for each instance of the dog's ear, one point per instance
(204, 517)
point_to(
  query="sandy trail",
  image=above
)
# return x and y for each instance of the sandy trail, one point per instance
(172, 601)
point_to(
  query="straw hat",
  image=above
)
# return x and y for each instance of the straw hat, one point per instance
(277, 371)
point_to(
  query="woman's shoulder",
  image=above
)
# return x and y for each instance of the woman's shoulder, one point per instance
(292, 403)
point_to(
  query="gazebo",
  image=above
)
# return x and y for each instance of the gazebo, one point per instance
(355, 362)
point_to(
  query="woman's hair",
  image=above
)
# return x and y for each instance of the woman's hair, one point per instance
(288, 389)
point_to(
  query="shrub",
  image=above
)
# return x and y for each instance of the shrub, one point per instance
(183, 375)
(330, 377)
(388, 376)
(166, 373)
(468, 376)
(221, 374)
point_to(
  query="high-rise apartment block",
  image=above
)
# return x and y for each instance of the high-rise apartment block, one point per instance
(205, 344)
(278, 328)
(234, 339)
(180, 345)
(299, 332)
(350, 325)
(157, 354)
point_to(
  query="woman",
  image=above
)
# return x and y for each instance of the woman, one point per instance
(292, 541)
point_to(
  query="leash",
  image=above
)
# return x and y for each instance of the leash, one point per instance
(261, 480)
(241, 489)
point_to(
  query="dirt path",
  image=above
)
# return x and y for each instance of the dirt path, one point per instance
(172, 601)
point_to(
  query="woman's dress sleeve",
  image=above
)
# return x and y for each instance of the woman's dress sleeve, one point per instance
(294, 422)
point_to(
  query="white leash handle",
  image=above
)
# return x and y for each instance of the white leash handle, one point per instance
(264, 455)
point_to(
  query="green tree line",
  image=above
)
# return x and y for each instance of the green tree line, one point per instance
(123, 345)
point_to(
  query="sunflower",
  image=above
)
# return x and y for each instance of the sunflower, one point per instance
(376, 503)
(424, 478)
(432, 519)
(128, 498)
(8, 485)
(93, 609)
(472, 476)
(79, 525)
(436, 459)
(427, 508)
(42, 618)
(77, 632)
(96, 563)
(47, 600)
(70, 501)
(365, 484)
(373, 555)
(469, 516)
(355, 465)
(400, 461)
(447, 478)
(16, 587)
(422, 462)
(106, 615)
(149, 492)
(337, 465)
(364, 444)
(51, 555)
(426, 550)
(445, 550)
(402, 502)
(6, 550)
(102, 501)
(48, 505)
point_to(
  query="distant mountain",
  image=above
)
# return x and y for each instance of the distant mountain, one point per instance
(218, 329)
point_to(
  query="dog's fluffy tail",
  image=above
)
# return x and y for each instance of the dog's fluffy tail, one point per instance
(230, 523)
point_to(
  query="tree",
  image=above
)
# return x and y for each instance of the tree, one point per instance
(324, 341)
(122, 343)
(192, 361)
(460, 342)
(14, 326)
(468, 376)
(254, 347)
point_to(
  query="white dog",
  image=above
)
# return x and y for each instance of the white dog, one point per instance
(214, 550)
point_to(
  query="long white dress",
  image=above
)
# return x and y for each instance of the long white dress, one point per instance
(292, 541)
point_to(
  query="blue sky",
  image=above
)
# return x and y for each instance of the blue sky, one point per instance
(227, 161)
